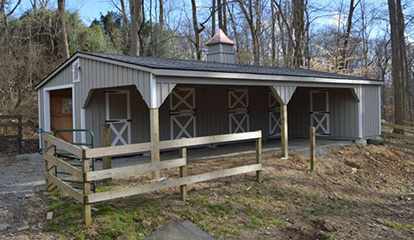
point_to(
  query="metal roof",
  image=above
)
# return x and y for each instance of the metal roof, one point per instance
(195, 65)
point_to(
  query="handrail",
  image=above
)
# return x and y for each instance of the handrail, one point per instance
(169, 144)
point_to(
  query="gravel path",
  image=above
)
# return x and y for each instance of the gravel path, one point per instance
(21, 203)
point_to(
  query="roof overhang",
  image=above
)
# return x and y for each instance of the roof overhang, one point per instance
(208, 74)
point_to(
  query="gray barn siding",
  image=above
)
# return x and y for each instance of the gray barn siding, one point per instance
(371, 111)
(96, 115)
(344, 114)
(104, 75)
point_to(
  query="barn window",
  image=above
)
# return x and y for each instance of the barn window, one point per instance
(76, 71)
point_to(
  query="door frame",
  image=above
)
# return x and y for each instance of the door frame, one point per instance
(107, 110)
(46, 107)
(327, 109)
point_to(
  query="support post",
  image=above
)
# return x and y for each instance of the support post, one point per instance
(183, 173)
(19, 134)
(312, 138)
(106, 142)
(259, 158)
(87, 208)
(155, 139)
(284, 130)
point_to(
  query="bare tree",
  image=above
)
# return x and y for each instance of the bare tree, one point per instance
(197, 30)
(252, 14)
(399, 60)
(344, 52)
(136, 20)
(299, 31)
(63, 33)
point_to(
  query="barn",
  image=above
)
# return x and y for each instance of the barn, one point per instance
(148, 99)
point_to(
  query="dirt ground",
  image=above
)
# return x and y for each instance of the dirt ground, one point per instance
(356, 192)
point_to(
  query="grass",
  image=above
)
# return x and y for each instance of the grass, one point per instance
(135, 218)
(399, 226)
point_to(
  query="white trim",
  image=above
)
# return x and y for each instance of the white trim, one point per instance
(325, 114)
(40, 120)
(209, 74)
(153, 92)
(83, 124)
(379, 110)
(360, 112)
(76, 75)
(127, 121)
(46, 107)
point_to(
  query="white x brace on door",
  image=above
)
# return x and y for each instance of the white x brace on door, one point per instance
(182, 113)
(319, 111)
(238, 103)
(274, 116)
(118, 116)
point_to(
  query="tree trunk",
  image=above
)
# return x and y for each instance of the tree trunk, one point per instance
(299, 30)
(63, 34)
(161, 14)
(213, 17)
(196, 30)
(134, 41)
(343, 64)
(224, 10)
(273, 34)
(220, 14)
(399, 70)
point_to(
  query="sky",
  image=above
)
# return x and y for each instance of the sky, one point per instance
(88, 9)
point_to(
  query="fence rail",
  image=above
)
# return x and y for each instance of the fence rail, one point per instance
(84, 176)
(14, 124)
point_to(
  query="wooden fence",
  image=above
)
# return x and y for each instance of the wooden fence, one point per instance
(398, 134)
(57, 152)
(11, 130)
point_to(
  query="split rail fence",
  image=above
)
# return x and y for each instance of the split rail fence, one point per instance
(399, 134)
(11, 128)
(61, 155)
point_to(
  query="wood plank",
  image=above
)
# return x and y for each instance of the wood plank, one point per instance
(66, 167)
(65, 188)
(169, 144)
(63, 145)
(190, 142)
(121, 150)
(86, 207)
(407, 129)
(135, 170)
(400, 136)
(130, 191)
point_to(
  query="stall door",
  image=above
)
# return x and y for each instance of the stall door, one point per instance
(274, 116)
(319, 102)
(118, 116)
(182, 113)
(238, 104)
(61, 113)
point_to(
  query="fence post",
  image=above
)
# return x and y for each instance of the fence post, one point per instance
(87, 209)
(183, 173)
(106, 142)
(312, 138)
(259, 158)
(19, 134)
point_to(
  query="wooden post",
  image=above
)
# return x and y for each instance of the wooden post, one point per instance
(259, 158)
(183, 173)
(87, 208)
(155, 138)
(284, 130)
(312, 138)
(19, 134)
(106, 142)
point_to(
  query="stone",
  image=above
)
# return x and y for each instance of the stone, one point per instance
(4, 227)
(178, 231)
(49, 216)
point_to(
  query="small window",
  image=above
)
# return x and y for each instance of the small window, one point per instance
(76, 71)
